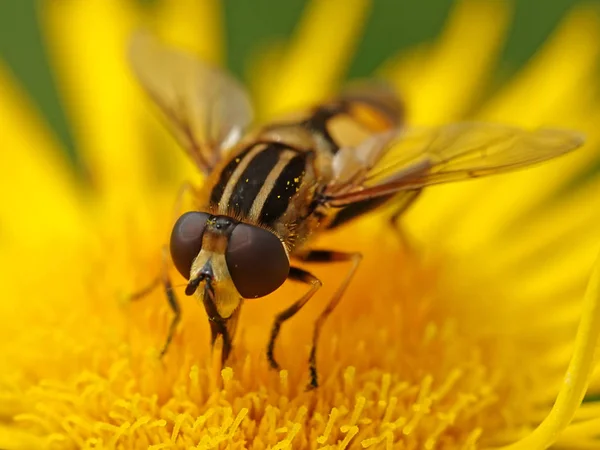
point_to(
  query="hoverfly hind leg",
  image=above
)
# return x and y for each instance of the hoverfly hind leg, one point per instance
(405, 201)
(327, 256)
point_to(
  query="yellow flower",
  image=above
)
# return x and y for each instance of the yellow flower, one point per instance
(470, 341)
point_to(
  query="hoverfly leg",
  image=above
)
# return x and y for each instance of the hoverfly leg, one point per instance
(171, 298)
(219, 326)
(174, 304)
(296, 274)
(163, 278)
(328, 256)
(139, 295)
(403, 205)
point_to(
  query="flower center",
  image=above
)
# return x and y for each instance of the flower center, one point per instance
(400, 359)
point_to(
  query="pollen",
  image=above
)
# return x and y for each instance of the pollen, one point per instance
(409, 372)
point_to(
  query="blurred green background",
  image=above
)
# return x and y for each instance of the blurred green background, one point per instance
(249, 24)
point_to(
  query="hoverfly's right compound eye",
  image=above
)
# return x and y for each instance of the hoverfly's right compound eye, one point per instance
(257, 261)
(186, 240)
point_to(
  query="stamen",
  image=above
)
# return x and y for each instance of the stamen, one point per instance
(287, 442)
(353, 431)
(421, 406)
(349, 374)
(472, 439)
(386, 382)
(578, 374)
(236, 423)
(387, 416)
(333, 415)
(358, 408)
(283, 380)
(178, 421)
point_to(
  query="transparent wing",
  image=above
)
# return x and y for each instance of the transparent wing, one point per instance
(415, 158)
(206, 108)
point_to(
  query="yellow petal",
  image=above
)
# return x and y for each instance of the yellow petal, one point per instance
(479, 211)
(554, 75)
(576, 379)
(38, 190)
(528, 102)
(451, 76)
(317, 57)
(87, 44)
(192, 25)
(557, 242)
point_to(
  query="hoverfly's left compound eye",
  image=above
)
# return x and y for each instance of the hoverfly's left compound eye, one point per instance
(256, 260)
(186, 240)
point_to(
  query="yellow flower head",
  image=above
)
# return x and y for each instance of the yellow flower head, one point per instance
(483, 334)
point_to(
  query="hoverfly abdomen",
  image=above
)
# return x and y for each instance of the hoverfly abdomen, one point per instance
(349, 121)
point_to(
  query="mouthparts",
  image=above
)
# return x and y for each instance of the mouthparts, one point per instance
(205, 274)
(193, 284)
(219, 326)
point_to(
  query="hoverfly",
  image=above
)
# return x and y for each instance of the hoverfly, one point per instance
(268, 190)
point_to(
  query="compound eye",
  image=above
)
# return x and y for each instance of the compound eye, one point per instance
(256, 260)
(186, 240)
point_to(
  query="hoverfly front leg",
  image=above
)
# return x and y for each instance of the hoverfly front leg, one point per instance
(174, 304)
(163, 279)
(303, 276)
(328, 256)
(163, 276)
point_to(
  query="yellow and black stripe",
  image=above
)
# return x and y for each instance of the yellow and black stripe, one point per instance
(260, 182)
(349, 120)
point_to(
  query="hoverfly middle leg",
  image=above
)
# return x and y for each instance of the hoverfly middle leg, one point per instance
(328, 256)
(296, 274)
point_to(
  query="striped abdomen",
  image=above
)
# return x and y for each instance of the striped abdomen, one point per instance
(259, 183)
